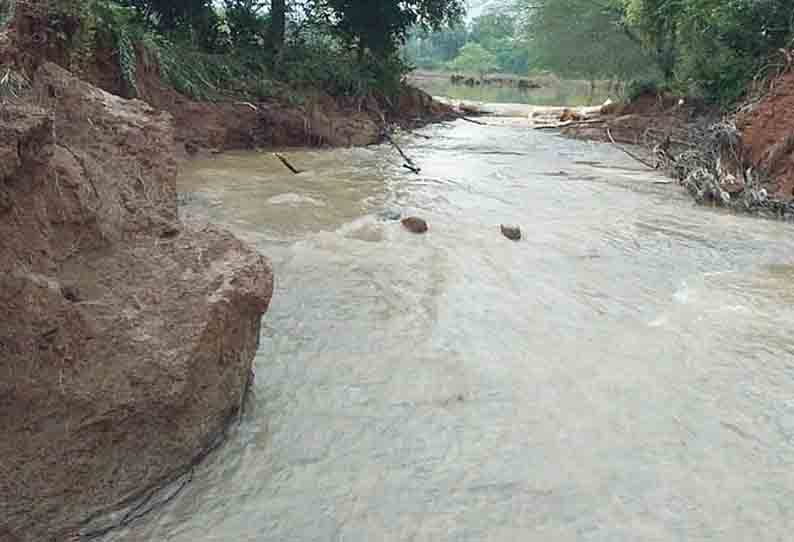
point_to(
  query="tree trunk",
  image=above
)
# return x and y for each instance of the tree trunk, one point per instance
(278, 24)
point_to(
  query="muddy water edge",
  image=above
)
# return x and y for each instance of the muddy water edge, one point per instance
(625, 372)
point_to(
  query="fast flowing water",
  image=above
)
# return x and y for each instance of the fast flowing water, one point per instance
(624, 373)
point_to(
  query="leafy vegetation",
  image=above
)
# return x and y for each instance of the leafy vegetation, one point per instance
(215, 48)
(710, 48)
(210, 49)
(582, 39)
(6, 11)
(474, 58)
(492, 39)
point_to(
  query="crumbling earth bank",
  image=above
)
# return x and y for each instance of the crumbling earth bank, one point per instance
(126, 337)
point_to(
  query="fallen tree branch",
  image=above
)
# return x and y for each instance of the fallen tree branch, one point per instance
(286, 163)
(501, 153)
(467, 119)
(409, 164)
(416, 134)
(249, 104)
(568, 123)
(627, 152)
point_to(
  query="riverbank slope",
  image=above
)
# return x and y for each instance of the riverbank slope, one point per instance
(743, 160)
(126, 336)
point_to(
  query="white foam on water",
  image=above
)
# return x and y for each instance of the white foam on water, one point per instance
(295, 199)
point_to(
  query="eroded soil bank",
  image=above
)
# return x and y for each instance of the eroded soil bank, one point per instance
(126, 337)
(743, 161)
(320, 120)
(236, 124)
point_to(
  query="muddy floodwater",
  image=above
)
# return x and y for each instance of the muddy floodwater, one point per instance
(623, 373)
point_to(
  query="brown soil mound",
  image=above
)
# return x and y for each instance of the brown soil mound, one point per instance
(768, 133)
(126, 337)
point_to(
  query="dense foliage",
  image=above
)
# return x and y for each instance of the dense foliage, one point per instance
(211, 48)
(582, 39)
(381, 26)
(6, 8)
(711, 48)
(214, 48)
(491, 42)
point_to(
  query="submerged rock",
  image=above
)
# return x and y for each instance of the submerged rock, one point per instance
(511, 232)
(125, 350)
(390, 215)
(414, 224)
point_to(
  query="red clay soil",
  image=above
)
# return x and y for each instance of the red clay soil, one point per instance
(236, 124)
(767, 129)
(768, 132)
(126, 337)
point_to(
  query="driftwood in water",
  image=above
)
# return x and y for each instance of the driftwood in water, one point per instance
(416, 134)
(286, 163)
(568, 123)
(409, 164)
(467, 119)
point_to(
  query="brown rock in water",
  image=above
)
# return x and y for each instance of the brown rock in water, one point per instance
(511, 232)
(124, 355)
(415, 225)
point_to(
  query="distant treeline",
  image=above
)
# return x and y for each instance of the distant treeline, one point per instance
(707, 48)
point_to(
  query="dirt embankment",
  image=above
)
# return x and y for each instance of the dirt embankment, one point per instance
(767, 129)
(744, 162)
(126, 337)
(230, 124)
(646, 121)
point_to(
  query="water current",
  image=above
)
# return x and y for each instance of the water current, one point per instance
(623, 373)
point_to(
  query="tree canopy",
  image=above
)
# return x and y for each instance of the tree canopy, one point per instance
(475, 58)
(498, 34)
(381, 26)
(710, 47)
(582, 38)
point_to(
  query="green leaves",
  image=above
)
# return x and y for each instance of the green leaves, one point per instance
(708, 47)
(474, 58)
(583, 38)
(380, 26)
(6, 12)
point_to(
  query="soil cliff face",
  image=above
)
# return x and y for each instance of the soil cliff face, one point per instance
(126, 337)
(768, 132)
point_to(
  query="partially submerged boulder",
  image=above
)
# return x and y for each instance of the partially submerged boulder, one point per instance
(126, 338)
(511, 232)
(414, 224)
